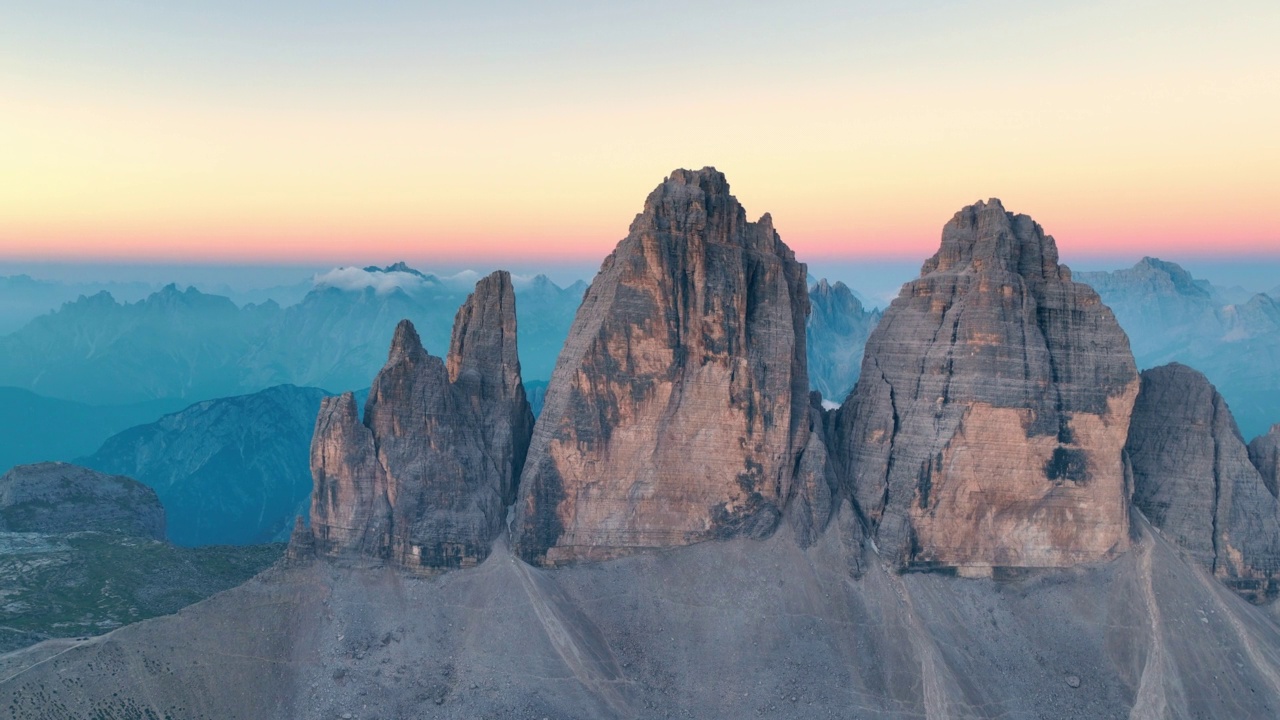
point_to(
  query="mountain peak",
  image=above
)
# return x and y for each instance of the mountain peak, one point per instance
(994, 340)
(689, 341)
(398, 267)
(986, 236)
(405, 343)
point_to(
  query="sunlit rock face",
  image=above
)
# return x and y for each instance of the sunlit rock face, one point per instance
(1194, 480)
(424, 479)
(993, 404)
(679, 404)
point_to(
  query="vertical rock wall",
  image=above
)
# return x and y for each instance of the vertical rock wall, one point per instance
(679, 404)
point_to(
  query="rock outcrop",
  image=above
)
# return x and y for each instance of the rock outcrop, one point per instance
(1264, 451)
(1192, 477)
(987, 426)
(424, 479)
(836, 337)
(59, 498)
(679, 403)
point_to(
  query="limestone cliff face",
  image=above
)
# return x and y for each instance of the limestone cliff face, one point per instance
(987, 425)
(679, 404)
(424, 479)
(1192, 477)
(1264, 451)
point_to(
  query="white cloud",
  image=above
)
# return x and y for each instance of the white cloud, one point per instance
(357, 279)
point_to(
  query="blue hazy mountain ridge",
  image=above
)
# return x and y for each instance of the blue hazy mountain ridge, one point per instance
(23, 298)
(172, 344)
(1171, 316)
(231, 471)
(35, 428)
(193, 346)
(836, 335)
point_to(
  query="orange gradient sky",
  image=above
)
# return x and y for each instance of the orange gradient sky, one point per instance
(338, 132)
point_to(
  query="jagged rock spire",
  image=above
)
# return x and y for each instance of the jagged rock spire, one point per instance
(424, 479)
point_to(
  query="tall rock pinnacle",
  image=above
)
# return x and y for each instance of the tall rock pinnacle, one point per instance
(424, 479)
(679, 404)
(987, 425)
(1192, 477)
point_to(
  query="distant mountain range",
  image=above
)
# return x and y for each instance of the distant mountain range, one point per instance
(192, 346)
(1171, 316)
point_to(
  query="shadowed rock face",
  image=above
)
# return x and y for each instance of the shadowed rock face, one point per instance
(425, 478)
(55, 497)
(987, 426)
(816, 495)
(680, 401)
(1264, 451)
(1193, 479)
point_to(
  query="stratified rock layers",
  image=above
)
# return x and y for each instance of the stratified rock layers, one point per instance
(987, 425)
(425, 478)
(1192, 477)
(679, 404)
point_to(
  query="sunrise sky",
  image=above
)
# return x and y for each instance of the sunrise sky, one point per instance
(342, 132)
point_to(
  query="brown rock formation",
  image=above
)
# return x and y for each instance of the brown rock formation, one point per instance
(1193, 479)
(679, 403)
(1264, 451)
(424, 480)
(987, 425)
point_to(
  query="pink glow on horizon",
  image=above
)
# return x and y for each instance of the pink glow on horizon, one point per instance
(352, 248)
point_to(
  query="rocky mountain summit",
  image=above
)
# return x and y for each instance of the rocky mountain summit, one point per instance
(679, 404)
(425, 478)
(987, 427)
(55, 497)
(1192, 477)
